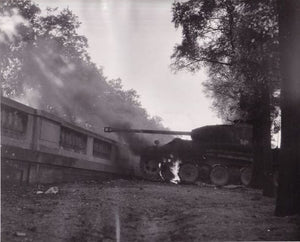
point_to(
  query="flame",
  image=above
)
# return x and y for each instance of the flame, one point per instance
(173, 164)
(175, 170)
(160, 174)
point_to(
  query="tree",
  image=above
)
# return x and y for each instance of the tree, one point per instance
(237, 42)
(288, 199)
(45, 64)
(33, 34)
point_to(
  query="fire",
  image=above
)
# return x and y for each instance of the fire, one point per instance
(175, 170)
(169, 169)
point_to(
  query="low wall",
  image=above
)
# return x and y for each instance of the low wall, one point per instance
(39, 147)
(24, 172)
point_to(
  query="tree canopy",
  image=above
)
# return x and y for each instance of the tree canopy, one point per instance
(45, 64)
(237, 41)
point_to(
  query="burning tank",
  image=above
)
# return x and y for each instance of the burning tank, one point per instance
(218, 154)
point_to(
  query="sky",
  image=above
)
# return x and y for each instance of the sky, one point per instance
(134, 40)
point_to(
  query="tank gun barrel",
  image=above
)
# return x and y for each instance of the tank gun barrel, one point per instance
(145, 131)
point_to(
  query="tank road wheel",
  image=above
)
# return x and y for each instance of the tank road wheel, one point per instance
(204, 171)
(150, 169)
(246, 174)
(219, 175)
(188, 173)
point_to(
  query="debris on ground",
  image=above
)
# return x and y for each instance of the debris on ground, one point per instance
(233, 186)
(142, 211)
(20, 234)
(52, 190)
(203, 184)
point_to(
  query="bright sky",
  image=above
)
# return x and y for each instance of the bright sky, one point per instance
(133, 40)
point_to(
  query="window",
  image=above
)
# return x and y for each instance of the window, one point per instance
(102, 149)
(13, 122)
(72, 140)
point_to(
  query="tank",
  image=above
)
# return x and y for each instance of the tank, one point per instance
(217, 154)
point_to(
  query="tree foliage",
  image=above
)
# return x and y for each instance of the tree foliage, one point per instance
(237, 41)
(45, 63)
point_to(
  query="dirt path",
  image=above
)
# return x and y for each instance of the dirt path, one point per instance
(123, 210)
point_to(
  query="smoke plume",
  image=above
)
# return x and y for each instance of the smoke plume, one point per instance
(71, 86)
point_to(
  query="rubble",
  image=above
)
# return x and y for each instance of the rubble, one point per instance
(20, 234)
(52, 190)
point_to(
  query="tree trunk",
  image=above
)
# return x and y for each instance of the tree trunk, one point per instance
(288, 199)
(262, 165)
(268, 184)
(257, 166)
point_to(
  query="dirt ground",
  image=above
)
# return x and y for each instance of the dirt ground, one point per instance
(122, 210)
